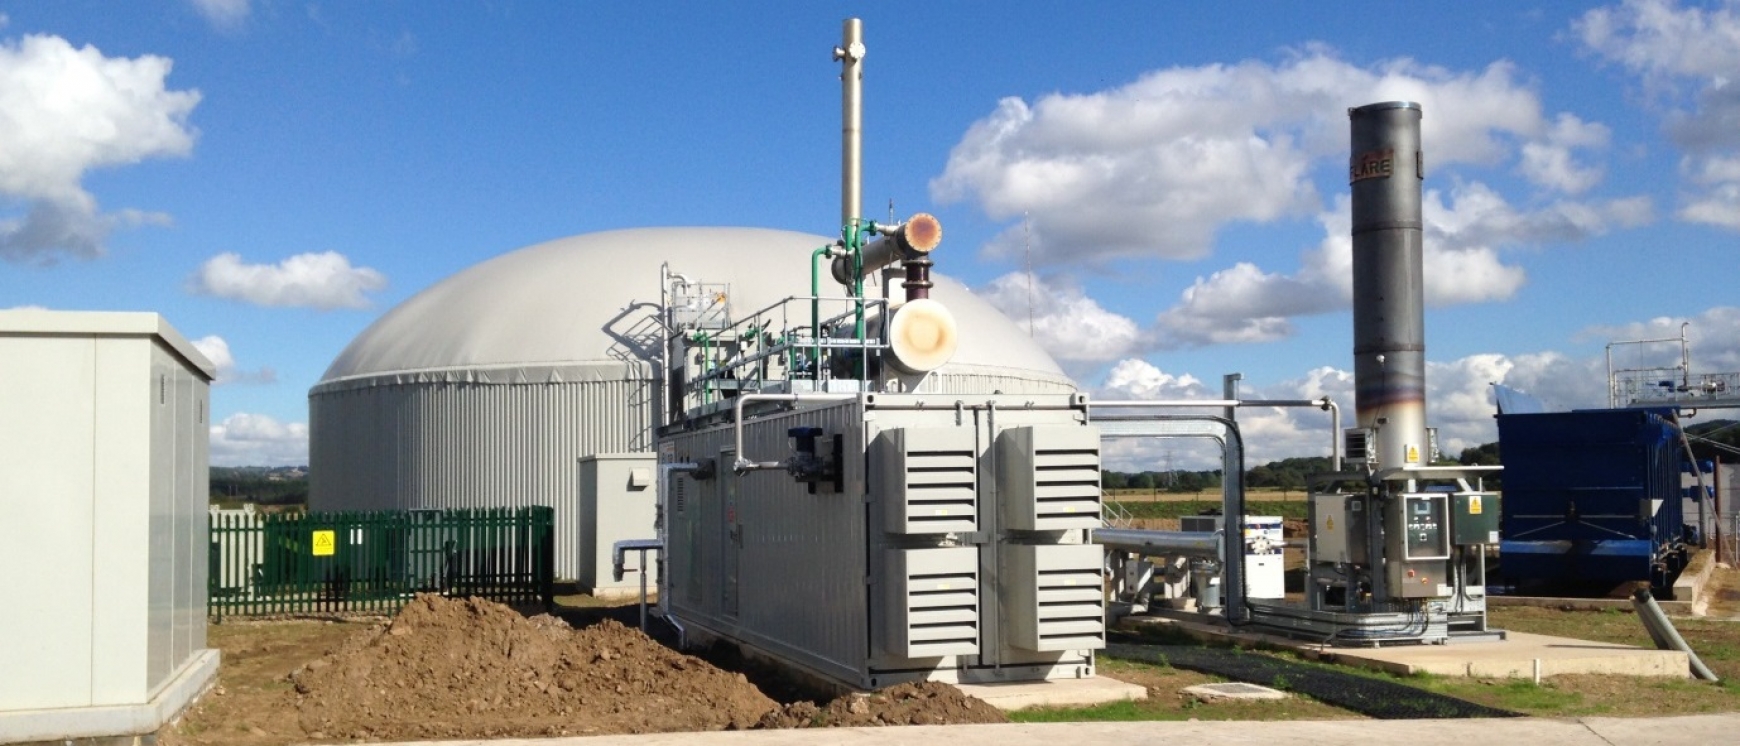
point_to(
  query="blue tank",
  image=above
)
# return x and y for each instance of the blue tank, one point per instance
(1592, 495)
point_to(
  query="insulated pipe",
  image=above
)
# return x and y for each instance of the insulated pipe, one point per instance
(911, 240)
(1324, 403)
(1232, 497)
(1662, 630)
(1389, 339)
(850, 55)
(743, 464)
(1160, 543)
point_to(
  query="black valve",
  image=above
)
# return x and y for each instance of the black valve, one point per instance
(806, 465)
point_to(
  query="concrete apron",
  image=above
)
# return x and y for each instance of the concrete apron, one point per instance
(1521, 655)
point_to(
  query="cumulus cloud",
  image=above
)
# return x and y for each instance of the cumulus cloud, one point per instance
(1713, 335)
(1552, 161)
(217, 350)
(1459, 395)
(68, 111)
(1065, 322)
(1465, 231)
(1135, 378)
(244, 439)
(324, 280)
(1687, 56)
(224, 15)
(1155, 168)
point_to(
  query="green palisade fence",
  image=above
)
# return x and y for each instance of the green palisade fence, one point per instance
(349, 562)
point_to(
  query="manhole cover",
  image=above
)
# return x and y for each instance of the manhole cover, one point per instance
(1234, 690)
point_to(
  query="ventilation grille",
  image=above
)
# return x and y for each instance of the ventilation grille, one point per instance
(931, 478)
(1050, 478)
(1360, 448)
(1055, 597)
(934, 608)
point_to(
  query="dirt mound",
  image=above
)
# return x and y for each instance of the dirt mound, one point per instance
(449, 668)
(920, 703)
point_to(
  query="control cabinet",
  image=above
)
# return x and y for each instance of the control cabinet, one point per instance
(1418, 545)
(1338, 528)
(1475, 518)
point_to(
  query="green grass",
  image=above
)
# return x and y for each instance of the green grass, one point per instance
(1294, 509)
(1116, 712)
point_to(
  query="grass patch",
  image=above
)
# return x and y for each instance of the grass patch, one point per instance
(1115, 712)
(1292, 509)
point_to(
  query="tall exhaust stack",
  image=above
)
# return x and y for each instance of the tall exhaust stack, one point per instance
(1389, 338)
(850, 55)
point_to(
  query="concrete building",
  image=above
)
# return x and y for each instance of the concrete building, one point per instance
(487, 388)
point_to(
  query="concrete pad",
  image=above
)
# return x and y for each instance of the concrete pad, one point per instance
(1234, 690)
(1514, 657)
(1094, 690)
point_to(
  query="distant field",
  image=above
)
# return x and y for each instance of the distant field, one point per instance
(1294, 509)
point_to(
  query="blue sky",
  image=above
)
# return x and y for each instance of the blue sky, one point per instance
(272, 175)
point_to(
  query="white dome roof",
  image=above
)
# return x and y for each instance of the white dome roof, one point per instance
(560, 303)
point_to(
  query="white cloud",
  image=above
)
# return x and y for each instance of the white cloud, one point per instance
(1135, 378)
(1552, 162)
(1460, 252)
(1660, 37)
(69, 111)
(224, 15)
(1459, 399)
(244, 439)
(217, 350)
(1065, 322)
(1689, 57)
(1156, 167)
(323, 280)
(1713, 335)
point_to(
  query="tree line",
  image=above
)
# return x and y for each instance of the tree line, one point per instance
(260, 485)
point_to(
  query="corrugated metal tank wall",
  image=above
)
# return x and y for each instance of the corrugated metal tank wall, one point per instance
(471, 445)
(485, 389)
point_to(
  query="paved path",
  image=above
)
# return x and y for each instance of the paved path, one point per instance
(1702, 730)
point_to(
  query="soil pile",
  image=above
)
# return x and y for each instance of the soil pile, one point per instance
(451, 668)
(919, 703)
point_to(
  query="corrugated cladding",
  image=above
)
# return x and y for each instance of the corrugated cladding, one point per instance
(435, 445)
(511, 437)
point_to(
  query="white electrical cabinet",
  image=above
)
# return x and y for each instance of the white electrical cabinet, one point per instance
(104, 427)
(1265, 569)
(618, 501)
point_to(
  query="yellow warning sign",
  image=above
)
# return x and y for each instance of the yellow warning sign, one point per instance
(1413, 454)
(1330, 524)
(324, 543)
(1474, 505)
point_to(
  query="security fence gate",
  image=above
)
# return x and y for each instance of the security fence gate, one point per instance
(347, 562)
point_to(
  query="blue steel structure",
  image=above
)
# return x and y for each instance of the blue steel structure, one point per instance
(1592, 495)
